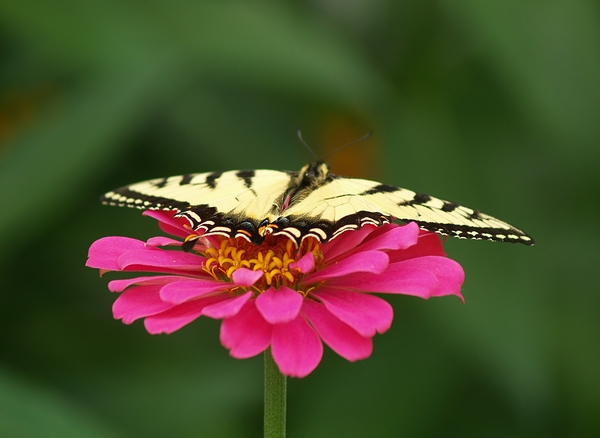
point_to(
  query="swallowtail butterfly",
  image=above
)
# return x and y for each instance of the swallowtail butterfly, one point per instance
(252, 204)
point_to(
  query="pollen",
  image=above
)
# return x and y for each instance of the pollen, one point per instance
(274, 257)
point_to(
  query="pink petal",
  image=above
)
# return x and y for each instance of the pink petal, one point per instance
(367, 314)
(450, 275)
(367, 261)
(181, 291)
(296, 347)
(165, 216)
(428, 244)
(247, 333)
(398, 280)
(103, 253)
(228, 308)
(163, 241)
(210, 241)
(425, 277)
(160, 260)
(179, 315)
(168, 223)
(121, 285)
(279, 305)
(246, 277)
(342, 339)
(394, 238)
(305, 264)
(345, 242)
(139, 302)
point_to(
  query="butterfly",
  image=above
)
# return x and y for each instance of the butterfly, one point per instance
(313, 202)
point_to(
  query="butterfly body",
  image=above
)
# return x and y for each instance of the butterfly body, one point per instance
(252, 204)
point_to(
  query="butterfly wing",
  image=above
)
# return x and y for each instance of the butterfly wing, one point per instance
(312, 202)
(349, 203)
(217, 202)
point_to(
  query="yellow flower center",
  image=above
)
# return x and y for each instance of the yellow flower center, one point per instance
(274, 257)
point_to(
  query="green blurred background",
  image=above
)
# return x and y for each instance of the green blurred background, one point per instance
(495, 105)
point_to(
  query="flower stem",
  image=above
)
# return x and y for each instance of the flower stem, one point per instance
(275, 395)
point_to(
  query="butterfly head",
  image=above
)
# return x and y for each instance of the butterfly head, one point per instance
(313, 174)
(310, 178)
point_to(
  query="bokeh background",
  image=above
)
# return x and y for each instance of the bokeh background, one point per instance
(495, 105)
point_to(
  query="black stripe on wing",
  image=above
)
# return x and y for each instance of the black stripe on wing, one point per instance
(462, 231)
(512, 235)
(297, 227)
(124, 197)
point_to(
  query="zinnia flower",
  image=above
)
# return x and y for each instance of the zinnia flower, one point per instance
(274, 294)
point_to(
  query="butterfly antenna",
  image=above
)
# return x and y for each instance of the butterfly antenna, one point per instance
(350, 144)
(306, 145)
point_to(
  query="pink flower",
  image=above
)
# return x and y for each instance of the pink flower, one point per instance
(273, 294)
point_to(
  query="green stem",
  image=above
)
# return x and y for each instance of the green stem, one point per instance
(275, 394)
